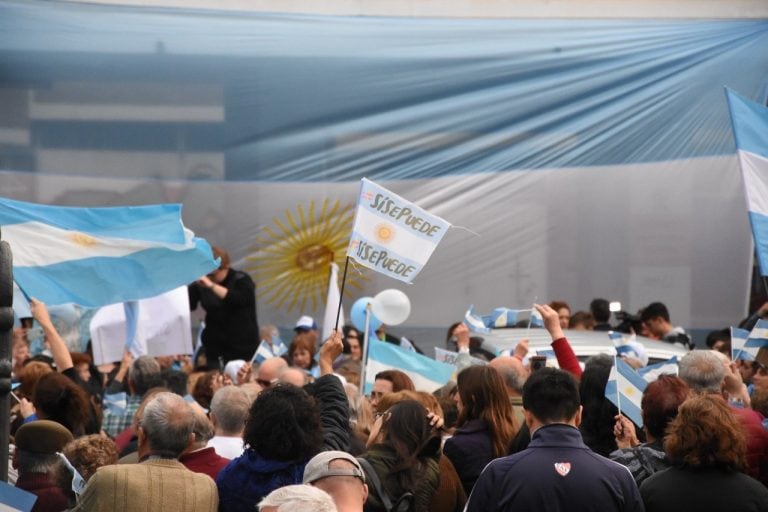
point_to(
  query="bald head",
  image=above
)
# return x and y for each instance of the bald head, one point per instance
(512, 373)
(271, 369)
(294, 376)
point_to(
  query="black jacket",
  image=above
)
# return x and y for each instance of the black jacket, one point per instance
(231, 331)
(557, 472)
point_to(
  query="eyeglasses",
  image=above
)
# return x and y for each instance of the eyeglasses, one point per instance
(266, 383)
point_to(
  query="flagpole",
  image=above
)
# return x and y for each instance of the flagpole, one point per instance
(618, 393)
(366, 347)
(341, 292)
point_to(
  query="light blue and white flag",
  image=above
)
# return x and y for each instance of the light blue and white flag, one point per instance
(651, 372)
(116, 403)
(14, 499)
(266, 350)
(536, 319)
(449, 357)
(625, 390)
(392, 235)
(502, 317)
(750, 129)
(426, 373)
(758, 336)
(100, 256)
(628, 346)
(739, 338)
(474, 321)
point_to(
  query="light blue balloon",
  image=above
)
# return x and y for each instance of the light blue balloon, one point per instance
(357, 314)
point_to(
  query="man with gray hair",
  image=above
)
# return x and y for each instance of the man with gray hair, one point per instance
(706, 373)
(198, 457)
(513, 374)
(229, 410)
(144, 374)
(297, 498)
(160, 481)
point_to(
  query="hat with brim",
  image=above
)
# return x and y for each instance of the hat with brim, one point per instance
(42, 436)
(319, 467)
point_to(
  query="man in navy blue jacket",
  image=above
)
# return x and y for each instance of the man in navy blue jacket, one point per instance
(557, 472)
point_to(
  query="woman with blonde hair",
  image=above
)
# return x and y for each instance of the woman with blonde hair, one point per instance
(486, 423)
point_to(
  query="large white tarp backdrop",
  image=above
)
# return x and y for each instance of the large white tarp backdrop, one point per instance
(591, 158)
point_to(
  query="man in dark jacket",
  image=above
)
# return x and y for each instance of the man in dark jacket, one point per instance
(557, 472)
(229, 299)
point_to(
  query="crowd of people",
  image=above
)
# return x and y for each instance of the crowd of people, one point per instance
(293, 433)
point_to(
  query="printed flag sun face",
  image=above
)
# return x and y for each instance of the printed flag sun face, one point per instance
(293, 256)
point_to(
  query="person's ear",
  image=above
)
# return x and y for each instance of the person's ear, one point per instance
(365, 493)
(528, 418)
(577, 416)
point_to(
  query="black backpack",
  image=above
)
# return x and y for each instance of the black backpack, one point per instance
(401, 504)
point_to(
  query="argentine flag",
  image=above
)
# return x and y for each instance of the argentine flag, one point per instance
(758, 336)
(739, 338)
(750, 129)
(652, 372)
(474, 321)
(392, 235)
(625, 389)
(100, 256)
(426, 374)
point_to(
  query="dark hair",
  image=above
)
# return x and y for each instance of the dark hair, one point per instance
(551, 395)
(348, 329)
(484, 396)
(407, 430)
(597, 417)
(175, 380)
(706, 434)
(653, 310)
(284, 424)
(59, 399)
(719, 335)
(29, 374)
(400, 380)
(449, 334)
(600, 309)
(582, 317)
(661, 400)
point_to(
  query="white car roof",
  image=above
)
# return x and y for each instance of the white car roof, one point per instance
(584, 343)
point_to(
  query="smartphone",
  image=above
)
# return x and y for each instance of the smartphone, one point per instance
(537, 362)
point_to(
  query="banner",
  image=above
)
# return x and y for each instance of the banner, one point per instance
(392, 235)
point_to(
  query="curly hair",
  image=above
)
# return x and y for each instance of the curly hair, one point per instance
(89, 453)
(284, 424)
(484, 396)
(202, 391)
(59, 399)
(660, 403)
(706, 434)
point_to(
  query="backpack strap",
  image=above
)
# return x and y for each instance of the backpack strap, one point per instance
(374, 478)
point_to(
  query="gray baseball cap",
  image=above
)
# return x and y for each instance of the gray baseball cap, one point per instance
(319, 467)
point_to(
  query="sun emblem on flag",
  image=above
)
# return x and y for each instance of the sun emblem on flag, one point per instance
(291, 263)
(83, 239)
(384, 233)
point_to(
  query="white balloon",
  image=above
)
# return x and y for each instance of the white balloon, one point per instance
(391, 306)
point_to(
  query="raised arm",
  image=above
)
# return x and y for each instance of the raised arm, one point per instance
(563, 351)
(59, 350)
